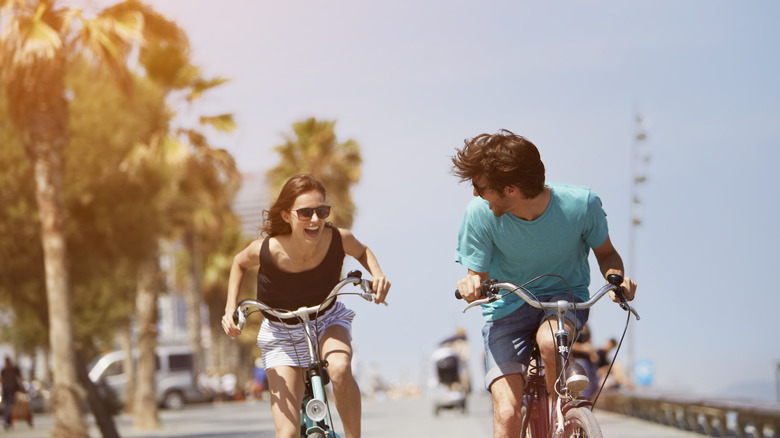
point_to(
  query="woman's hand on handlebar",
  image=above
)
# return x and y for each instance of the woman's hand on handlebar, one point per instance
(228, 325)
(380, 286)
(470, 287)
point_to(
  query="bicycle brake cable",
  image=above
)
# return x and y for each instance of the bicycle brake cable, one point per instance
(614, 358)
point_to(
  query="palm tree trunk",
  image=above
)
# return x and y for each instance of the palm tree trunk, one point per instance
(129, 366)
(145, 409)
(68, 395)
(193, 297)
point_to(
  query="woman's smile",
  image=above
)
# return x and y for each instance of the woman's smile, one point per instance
(312, 231)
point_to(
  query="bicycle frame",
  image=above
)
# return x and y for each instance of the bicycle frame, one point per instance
(315, 411)
(535, 394)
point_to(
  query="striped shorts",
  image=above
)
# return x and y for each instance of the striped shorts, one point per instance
(285, 345)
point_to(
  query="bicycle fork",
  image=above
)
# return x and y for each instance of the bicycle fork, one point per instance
(572, 377)
(315, 416)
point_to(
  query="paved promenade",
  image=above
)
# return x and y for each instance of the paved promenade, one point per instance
(381, 419)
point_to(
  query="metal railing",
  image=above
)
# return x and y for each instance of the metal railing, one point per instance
(722, 417)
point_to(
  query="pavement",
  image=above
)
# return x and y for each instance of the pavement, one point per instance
(382, 418)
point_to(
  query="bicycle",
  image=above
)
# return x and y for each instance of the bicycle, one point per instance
(571, 416)
(316, 419)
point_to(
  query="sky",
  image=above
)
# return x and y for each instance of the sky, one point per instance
(411, 80)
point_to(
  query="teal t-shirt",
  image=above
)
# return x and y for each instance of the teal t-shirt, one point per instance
(516, 250)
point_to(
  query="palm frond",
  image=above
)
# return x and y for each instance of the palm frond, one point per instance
(222, 123)
(127, 26)
(171, 151)
(199, 86)
(29, 38)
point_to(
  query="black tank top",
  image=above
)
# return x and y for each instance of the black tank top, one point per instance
(293, 290)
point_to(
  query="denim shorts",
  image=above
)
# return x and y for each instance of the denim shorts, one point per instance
(509, 340)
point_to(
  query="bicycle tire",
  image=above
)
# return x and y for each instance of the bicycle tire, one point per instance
(580, 423)
(524, 418)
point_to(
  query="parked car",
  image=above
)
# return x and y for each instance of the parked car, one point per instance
(174, 376)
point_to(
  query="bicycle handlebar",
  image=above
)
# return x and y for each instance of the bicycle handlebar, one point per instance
(354, 277)
(491, 287)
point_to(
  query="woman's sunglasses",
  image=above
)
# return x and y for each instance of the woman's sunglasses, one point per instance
(304, 214)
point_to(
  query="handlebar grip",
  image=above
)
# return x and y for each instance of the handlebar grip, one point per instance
(615, 279)
(239, 322)
(484, 288)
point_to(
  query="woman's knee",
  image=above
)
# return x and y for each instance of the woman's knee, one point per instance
(340, 368)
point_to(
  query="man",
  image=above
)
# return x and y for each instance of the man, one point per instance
(11, 379)
(516, 229)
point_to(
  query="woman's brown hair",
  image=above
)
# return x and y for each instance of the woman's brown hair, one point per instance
(273, 223)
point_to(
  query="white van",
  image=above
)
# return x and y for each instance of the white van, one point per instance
(174, 377)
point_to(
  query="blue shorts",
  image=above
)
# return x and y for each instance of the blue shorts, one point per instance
(509, 340)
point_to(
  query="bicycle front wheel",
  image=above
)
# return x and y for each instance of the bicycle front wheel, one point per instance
(580, 423)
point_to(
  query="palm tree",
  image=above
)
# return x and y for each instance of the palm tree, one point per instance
(205, 188)
(210, 187)
(35, 46)
(199, 182)
(313, 148)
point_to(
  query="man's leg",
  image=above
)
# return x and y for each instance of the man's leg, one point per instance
(508, 344)
(9, 399)
(507, 394)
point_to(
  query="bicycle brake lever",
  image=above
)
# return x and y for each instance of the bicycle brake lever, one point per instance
(632, 310)
(367, 295)
(476, 303)
(625, 306)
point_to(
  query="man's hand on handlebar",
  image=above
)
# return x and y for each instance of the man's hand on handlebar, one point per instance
(470, 287)
(628, 287)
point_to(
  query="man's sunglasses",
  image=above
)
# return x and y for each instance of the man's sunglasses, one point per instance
(479, 189)
(304, 214)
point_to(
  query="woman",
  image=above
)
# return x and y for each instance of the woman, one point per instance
(299, 263)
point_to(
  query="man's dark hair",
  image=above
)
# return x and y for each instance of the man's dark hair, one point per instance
(504, 159)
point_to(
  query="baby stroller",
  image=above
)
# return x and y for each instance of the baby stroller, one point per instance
(448, 391)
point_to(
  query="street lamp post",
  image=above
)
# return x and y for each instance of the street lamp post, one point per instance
(777, 381)
(639, 158)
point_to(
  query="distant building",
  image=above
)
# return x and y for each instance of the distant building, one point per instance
(251, 200)
(248, 205)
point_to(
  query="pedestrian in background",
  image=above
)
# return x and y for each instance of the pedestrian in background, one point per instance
(12, 382)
